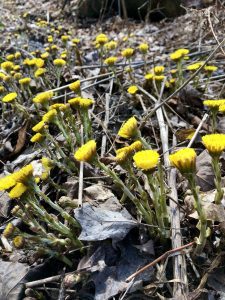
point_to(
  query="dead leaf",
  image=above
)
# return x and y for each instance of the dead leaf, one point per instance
(205, 175)
(107, 220)
(21, 139)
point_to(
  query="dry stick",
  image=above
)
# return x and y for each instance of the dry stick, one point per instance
(163, 256)
(152, 111)
(81, 175)
(106, 122)
(205, 117)
(176, 237)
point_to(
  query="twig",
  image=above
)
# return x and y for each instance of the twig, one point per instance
(163, 256)
(81, 175)
(106, 122)
(205, 117)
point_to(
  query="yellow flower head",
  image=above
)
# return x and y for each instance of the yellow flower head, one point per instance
(101, 39)
(39, 126)
(128, 52)
(17, 76)
(110, 61)
(47, 166)
(2, 76)
(179, 54)
(7, 182)
(17, 55)
(143, 47)
(149, 76)
(214, 104)
(10, 57)
(18, 242)
(65, 38)
(25, 81)
(129, 128)
(86, 152)
(59, 106)
(9, 97)
(7, 66)
(210, 69)
(38, 137)
(49, 116)
(39, 63)
(124, 153)
(132, 90)
(45, 55)
(158, 70)
(75, 86)
(222, 108)
(146, 159)
(159, 78)
(8, 231)
(214, 143)
(75, 41)
(43, 97)
(39, 72)
(111, 45)
(184, 160)
(80, 102)
(2, 89)
(194, 67)
(18, 190)
(59, 62)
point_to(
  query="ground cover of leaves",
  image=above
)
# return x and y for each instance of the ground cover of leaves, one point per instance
(80, 226)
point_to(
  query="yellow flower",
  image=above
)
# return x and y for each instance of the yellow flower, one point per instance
(38, 137)
(18, 242)
(17, 55)
(23, 173)
(16, 68)
(18, 190)
(59, 62)
(59, 106)
(75, 86)
(45, 55)
(80, 102)
(129, 128)
(179, 54)
(111, 45)
(39, 126)
(128, 52)
(7, 66)
(47, 165)
(194, 67)
(17, 76)
(214, 143)
(50, 39)
(222, 108)
(86, 152)
(149, 76)
(110, 60)
(136, 146)
(54, 47)
(10, 57)
(75, 41)
(124, 153)
(184, 160)
(143, 47)
(158, 77)
(64, 38)
(7, 182)
(8, 231)
(39, 72)
(2, 76)
(9, 97)
(25, 81)
(49, 116)
(43, 97)
(214, 104)
(39, 62)
(132, 89)
(101, 39)
(146, 159)
(210, 69)
(158, 70)
(2, 89)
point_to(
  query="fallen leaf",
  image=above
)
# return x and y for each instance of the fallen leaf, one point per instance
(205, 174)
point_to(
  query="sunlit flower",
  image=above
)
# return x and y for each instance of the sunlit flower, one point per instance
(18, 190)
(195, 66)
(25, 81)
(132, 89)
(43, 97)
(39, 126)
(214, 143)
(59, 62)
(110, 60)
(214, 104)
(184, 160)
(9, 97)
(128, 52)
(86, 152)
(49, 116)
(18, 242)
(10, 57)
(159, 77)
(38, 137)
(45, 55)
(143, 47)
(75, 86)
(149, 76)
(8, 231)
(101, 39)
(39, 72)
(111, 45)
(158, 70)
(210, 69)
(7, 66)
(129, 128)
(146, 159)
(179, 54)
